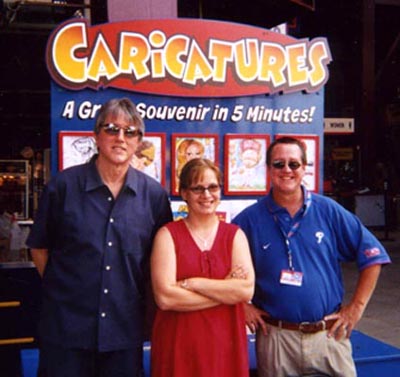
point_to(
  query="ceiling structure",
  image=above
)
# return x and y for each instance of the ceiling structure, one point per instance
(26, 24)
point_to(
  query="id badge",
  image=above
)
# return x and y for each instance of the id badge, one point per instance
(291, 278)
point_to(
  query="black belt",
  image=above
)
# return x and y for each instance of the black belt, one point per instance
(304, 327)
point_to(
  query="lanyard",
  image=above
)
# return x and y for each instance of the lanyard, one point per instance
(293, 229)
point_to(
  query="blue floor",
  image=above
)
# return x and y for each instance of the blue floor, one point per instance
(373, 358)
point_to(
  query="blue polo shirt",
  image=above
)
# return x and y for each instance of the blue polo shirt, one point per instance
(99, 248)
(320, 237)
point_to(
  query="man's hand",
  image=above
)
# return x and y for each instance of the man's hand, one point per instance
(349, 315)
(254, 319)
(346, 320)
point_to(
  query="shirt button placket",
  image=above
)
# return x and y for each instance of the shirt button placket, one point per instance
(105, 291)
(105, 314)
(107, 268)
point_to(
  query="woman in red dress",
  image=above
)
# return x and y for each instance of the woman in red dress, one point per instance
(201, 273)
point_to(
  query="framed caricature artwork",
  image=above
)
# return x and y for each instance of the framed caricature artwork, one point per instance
(185, 147)
(245, 165)
(311, 143)
(75, 147)
(150, 156)
(78, 147)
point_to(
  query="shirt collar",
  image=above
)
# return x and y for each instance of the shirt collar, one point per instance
(94, 181)
(132, 178)
(273, 207)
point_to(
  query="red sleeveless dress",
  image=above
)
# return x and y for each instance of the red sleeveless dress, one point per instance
(203, 343)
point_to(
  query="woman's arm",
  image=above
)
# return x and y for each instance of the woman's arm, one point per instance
(236, 287)
(168, 293)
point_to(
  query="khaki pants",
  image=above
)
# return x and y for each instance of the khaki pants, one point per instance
(287, 353)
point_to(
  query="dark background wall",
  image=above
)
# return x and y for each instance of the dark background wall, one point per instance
(364, 76)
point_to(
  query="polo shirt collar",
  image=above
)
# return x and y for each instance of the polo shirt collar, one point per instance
(273, 207)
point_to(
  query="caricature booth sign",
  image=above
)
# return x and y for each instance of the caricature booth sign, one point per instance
(220, 90)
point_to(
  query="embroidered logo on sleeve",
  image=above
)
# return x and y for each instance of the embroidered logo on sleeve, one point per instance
(369, 253)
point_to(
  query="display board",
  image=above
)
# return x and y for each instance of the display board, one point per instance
(230, 89)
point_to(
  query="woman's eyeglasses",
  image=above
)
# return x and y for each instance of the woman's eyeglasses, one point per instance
(212, 189)
(113, 129)
(293, 165)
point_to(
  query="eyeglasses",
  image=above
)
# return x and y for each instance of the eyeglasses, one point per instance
(129, 132)
(293, 165)
(212, 189)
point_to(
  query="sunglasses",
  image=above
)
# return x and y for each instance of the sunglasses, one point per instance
(212, 189)
(293, 165)
(129, 132)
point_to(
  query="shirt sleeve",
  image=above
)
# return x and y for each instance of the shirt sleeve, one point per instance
(356, 241)
(38, 236)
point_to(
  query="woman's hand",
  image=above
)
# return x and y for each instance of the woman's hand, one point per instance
(237, 272)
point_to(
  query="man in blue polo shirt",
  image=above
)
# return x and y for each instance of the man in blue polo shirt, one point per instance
(298, 241)
(91, 241)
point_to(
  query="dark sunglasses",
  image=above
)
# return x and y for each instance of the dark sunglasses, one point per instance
(112, 129)
(293, 165)
(212, 189)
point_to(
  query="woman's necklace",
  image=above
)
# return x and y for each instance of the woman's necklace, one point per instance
(205, 242)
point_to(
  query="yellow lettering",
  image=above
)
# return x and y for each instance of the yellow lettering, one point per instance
(175, 48)
(297, 70)
(68, 40)
(157, 64)
(197, 66)
(319, 57)
(102, 63)
(220, 53)
(246, 61)
(134, 54)
(273, 64)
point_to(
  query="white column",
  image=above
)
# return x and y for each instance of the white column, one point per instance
(129, 10)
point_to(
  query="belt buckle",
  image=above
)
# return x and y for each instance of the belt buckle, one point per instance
(302, 326)
(323, 323)
(312, 327)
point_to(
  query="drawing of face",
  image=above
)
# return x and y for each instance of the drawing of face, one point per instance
(192, 151)
(250, 154)
(84, 145)
(250, 158)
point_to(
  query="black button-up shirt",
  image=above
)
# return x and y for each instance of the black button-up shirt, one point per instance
(99, 247)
